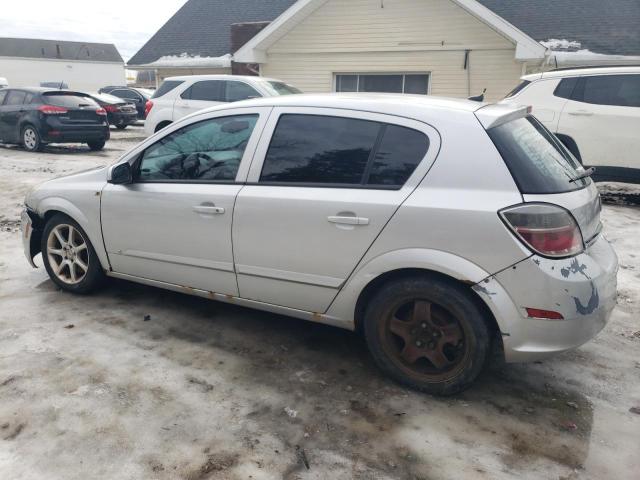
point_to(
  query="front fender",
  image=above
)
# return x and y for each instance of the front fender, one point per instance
(344, 305)
(90, 223)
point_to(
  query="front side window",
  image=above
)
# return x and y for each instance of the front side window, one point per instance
(521, 86)
(16, 97)
(565, 87)
(324, 150)
(615, 90)
(537, 161)
(383, 83)
(208, 90)
(207, 151)
(237, 91)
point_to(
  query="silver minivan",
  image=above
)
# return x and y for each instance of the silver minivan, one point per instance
(438, 228)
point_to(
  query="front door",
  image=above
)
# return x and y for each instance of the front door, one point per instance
(10, 113)
(322, 187)
(603, 117)
(173, 223)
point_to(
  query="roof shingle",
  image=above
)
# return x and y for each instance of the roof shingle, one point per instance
(59, 49)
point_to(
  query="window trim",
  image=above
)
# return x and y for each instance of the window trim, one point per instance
(368, 167)
(137, 158)
(404, 74)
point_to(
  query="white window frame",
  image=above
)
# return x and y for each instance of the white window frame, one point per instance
(359, 74)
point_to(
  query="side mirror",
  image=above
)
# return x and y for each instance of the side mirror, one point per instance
(121, 174)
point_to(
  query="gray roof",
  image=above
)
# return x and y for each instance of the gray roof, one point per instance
(203, 27)
(59, 49)
(602, 26)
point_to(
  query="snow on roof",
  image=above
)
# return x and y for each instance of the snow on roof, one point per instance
(587, 57)
(564, 44)
(184, 60)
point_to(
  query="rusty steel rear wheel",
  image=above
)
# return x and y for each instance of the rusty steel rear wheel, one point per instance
(428, 333)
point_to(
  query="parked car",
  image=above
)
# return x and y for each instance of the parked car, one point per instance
(120, 113)
(137, 96)
(178, 97)
(34, 117)
(436, 227)
(4, 83)
(595, 111)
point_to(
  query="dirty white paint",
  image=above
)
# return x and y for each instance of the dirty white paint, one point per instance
(203, 390)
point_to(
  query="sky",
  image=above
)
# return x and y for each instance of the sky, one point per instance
(127, 23)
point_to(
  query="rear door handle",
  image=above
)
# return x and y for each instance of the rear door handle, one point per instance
(581, 113)
(208, 210)
(348, 220)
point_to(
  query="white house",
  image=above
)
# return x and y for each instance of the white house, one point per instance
(27, 62)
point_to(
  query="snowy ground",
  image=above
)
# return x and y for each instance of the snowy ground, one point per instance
(89, 390)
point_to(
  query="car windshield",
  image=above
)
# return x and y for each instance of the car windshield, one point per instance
(539, 163)
(73, 100)
(281, 88)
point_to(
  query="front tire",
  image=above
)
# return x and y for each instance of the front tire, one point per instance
(69, 257)
(31, 140)
(96, 145)
(427, 333)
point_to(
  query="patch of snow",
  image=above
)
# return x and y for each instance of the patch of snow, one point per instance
(587, 57)
(185, 60)
(564, 44)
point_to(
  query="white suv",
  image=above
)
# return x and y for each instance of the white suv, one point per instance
(436, 227)
(178, 97)
(595, 111)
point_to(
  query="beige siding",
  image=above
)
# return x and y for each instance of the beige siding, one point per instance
(495, 70)
(350, 25)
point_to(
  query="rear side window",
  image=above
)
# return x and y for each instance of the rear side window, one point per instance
(565, 87)
(615, 90)
(16, 97)
(324, 150)
(537, 161)
(166, 87)
(518, 89)
(208, 90)
(68, 100)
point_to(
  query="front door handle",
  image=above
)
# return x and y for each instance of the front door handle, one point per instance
(581, 113)
(348, 220)
(208, 209)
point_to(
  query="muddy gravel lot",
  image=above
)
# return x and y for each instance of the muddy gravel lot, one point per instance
(140, 383)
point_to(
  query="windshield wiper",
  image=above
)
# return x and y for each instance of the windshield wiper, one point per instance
(587, 173)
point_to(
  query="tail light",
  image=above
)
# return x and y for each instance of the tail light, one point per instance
(52, 110)
(546, 229)
(111, 108)
(147, 108)
(101, 111)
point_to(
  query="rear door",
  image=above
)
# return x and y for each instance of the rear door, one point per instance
(322, 186)
(202, 94)
(603, 117)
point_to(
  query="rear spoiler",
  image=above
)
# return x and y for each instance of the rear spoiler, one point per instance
(496, 114)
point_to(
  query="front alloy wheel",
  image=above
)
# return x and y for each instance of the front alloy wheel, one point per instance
(31, 139)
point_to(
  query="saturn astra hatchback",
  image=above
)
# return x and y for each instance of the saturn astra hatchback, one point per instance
(438, 228)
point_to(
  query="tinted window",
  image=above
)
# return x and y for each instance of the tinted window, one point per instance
(128, 94)
(319, 149)
(398, 155)
(166, 87)
(521, 86)
(68, 100)
(15, 97)
(396, 83)
(538, 162)
(565, 87)
(201, 152)
(381, 83)
(209, 90)
(618, 90)
(237, 91)
(3, 93)
(416, 84)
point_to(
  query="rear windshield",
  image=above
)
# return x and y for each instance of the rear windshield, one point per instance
(539, 163)
(61, 99)
(281, 88)
(518, 89)
(166, 87)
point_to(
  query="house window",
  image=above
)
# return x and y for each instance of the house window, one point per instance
(383, 82)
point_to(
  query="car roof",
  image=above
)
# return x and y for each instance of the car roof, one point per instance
(248, 78)
(583, 71)
(46, 90)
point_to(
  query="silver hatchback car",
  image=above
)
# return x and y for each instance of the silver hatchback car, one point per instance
(438, 228)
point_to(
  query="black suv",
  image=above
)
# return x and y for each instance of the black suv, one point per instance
(34, 117)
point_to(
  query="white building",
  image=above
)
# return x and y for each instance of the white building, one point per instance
(27, 62)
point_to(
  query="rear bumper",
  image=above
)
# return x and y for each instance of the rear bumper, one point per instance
(123, 118)
(55, 131)
(583, 289)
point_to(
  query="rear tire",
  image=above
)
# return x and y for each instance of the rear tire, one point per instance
(31, 140)
(69, 257)
(427, 333)
(96, 145)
